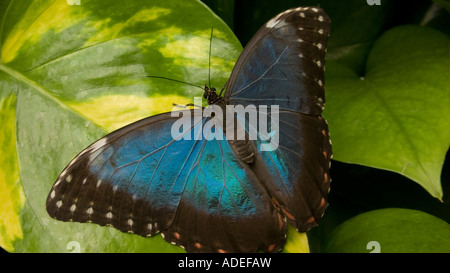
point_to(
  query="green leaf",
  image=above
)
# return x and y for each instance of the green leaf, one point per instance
(396, 117)
(296, 242)
(71, 73)
(443, 3)
(355, 27)
(11, 192)
(224, 9)
(391, 231)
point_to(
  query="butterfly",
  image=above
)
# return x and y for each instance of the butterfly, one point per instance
(219, 194)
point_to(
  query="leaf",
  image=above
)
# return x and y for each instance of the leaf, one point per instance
(355, 27)
(396, 117)
(71, 73)
(296, 242)
(224, 9)
(391, 231)
(443, 3)
(11, 192)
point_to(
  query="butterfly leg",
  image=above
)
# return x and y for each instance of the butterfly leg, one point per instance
(187, 105)
(223, 88)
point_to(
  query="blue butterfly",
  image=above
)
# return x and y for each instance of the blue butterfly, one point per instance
(216, 194)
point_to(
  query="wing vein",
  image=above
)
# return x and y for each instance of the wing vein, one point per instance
(263, 74)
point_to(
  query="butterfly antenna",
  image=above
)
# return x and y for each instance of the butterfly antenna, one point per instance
(209, 60)
(169, 79)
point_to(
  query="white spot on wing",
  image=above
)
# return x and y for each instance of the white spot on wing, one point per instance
(57, 182)
(95, 146)
(65, 171)
(273, 22)
(101, 142)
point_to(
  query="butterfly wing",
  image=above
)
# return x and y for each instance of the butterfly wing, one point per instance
(296, 174)
(283, 65)
(140, 179)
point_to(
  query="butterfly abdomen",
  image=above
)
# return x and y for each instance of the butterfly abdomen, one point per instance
(236, 135)
(244, 149)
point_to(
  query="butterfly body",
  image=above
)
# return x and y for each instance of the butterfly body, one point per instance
(243, 148)
(222, 193)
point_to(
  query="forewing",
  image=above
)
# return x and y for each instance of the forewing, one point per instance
(283, 64)
(139, 179)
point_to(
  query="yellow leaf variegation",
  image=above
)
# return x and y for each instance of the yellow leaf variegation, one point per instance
(12, 197)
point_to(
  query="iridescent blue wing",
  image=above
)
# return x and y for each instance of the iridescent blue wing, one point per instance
(284, 65)
(140, 179)
(296, 174)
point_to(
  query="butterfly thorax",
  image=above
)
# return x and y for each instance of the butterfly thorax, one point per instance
(211, 96)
